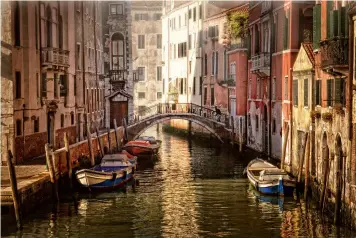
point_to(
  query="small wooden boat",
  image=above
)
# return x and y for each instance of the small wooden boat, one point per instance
(113, 171)
(143, 146)
(269, 179)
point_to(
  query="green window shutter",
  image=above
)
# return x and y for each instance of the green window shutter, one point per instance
(286, 31)
(329, 88)
(318, 92)
(295, 92)
(329, 8)
(343, 25)
(301, 27)
(316, 26)
(340, 91)
(334, 25)
(306, 92)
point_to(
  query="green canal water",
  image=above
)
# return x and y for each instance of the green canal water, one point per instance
(191, 190)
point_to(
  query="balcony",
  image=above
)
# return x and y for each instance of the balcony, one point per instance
(118, 79)
(334, 54)
(54, 57)
(261, 64)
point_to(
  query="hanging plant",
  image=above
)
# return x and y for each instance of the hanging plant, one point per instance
(315, 115)
(327, 116)
(338, 109)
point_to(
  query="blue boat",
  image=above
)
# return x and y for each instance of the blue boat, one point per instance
(113, 171)
(269, 179)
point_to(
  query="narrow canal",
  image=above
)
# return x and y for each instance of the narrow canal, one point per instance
(191, 190)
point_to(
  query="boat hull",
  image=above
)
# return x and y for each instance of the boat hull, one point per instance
(140, 150)
(95, 180)
(279, 187)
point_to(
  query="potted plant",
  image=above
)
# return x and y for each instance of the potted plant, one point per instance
(327, 116)
(315, 115)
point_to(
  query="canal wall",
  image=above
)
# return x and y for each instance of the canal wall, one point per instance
(37, 189)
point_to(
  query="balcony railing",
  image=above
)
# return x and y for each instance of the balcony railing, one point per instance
(55, 56)
(334, 52)
(261, 60)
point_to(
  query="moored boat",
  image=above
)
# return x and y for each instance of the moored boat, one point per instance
(143, 146)
(269, 179)
(113, 171)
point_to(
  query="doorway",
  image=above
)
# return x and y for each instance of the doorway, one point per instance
(118, 111)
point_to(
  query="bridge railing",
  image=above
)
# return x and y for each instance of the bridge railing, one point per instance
(163, 108)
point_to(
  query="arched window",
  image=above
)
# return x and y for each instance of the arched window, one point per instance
(117, 51)
(17, 23)
(49, 26)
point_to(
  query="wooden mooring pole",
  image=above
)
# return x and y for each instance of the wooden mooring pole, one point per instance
(15, 195)
(109, 141)
(125, 131)
(50, 162)
(306, 179)
(100, 142)
(301, 160)
(116, 136)
(69, 162)
(286, 134)
(92, 159)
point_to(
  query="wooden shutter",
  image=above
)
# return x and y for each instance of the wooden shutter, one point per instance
(317, 92)
(329, 88)
(286, 31)
(340, 91)
(216, 63)
(306, 93)
(329, 8)
(343, 22)
(295, 92)
(316, 26)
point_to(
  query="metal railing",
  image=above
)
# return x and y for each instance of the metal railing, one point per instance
(334, 52)
(260, 61)
(163, 108)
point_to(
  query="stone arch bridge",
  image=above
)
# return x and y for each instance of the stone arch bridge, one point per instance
(219, 126)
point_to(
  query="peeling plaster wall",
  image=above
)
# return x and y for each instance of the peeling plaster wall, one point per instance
(151, 56)
(7, 110)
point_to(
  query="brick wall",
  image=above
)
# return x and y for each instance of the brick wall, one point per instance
(34, 146)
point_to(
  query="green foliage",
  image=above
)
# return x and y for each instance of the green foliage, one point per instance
(238, 25)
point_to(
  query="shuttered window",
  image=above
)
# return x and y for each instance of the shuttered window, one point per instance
(205, 95)
(329, 8)
(212, 96)
(286, 31)
(18, 84)
(141, 41)
(306, 93)
(340, 91)
(200, 84)
(44, 85)
(318, 92)
(194, 86)
(316, 26)
(212, 63)
(295, 92)
(159, 41)
(159, 73)
(216, 63)
(329, 88)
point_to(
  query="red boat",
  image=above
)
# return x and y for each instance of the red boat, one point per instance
(142, 146)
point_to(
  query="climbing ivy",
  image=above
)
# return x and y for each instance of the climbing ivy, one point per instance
(238, 25)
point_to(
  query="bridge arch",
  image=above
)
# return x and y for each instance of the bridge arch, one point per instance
(137, 129)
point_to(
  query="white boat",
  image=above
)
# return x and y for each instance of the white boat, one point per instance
(113, 171)
(269, 179)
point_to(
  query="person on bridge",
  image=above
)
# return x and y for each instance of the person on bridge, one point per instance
(217, 113)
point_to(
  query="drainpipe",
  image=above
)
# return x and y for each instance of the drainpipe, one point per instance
(270, 88)
(187, 52)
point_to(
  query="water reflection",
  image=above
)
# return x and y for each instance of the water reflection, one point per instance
(190, 190)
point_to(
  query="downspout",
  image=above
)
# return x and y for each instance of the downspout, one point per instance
(187, 52)
(270, 88)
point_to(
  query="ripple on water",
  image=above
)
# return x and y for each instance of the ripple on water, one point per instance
(196, 191)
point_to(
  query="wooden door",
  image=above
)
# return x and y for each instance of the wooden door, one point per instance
(118, 111)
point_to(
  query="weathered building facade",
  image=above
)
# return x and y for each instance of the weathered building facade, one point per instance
(7, 110)
(117, 61)
(54, 58)
(147, 53)
(322, 107)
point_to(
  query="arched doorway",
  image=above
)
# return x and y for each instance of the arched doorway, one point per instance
(339, 177)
